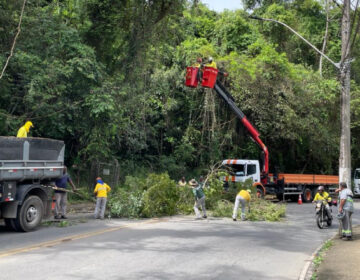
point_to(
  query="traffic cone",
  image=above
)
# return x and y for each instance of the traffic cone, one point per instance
(53, 203)
(300, 199)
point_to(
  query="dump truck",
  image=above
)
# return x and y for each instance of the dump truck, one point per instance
(28, 170)
(282, 185)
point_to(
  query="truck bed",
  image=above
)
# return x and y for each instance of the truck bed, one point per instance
(309, 179)
(30, 158)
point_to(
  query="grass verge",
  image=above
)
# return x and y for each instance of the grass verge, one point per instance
(320, 257)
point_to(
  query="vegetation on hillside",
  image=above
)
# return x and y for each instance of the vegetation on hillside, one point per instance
(107, 77)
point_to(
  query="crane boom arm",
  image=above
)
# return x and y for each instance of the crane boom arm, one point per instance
(226, 96)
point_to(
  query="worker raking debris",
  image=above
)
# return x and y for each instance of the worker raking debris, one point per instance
(199, 198)
(244, 198)
(61, 194)
(101, 190)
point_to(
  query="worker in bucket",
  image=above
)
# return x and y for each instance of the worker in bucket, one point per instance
(243, 197)
(101, 190)
(24, 130)
(198, 63)
(199, 198)
(346, 208)
(211, 63)
(325, 198)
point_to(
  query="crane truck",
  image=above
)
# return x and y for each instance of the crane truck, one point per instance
(28, 169)
(282, 184)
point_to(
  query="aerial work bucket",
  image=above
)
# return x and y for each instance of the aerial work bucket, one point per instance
(209, 77)
(191, 76)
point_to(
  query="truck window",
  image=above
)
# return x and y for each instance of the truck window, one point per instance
(236, 169)
(251, 169)
(357, 174)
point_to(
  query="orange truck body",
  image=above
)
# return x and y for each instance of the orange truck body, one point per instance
(309, 179)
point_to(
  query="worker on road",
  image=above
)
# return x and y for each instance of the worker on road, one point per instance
(199, 198)
(243, 197)
(182, 182)
(61, 195)
(346, 208)
(101, 190)
(24, 130)
(211, 63)
(324, 197)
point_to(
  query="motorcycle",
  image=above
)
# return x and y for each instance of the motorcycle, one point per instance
(321, 213)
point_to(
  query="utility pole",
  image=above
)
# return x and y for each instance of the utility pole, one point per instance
(344, 79)
(345, 144)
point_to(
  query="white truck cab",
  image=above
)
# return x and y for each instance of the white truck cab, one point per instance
(357, 181)
(242, 169)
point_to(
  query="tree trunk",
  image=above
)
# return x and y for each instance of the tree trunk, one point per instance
(345, 152)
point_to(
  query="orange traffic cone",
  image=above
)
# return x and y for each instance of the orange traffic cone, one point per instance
(53, 203)
(300, 199)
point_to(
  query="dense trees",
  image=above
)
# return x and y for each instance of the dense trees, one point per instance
(108, 78)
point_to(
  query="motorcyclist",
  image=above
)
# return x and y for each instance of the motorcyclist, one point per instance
(325, 198)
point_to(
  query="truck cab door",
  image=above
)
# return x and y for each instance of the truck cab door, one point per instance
(252, 171)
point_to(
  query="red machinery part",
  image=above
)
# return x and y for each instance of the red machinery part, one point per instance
(209, 77)
(191, 76)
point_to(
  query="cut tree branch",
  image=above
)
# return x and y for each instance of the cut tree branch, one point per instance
(301, 37)
(13, 45)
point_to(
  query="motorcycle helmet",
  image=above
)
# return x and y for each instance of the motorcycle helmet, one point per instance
(321, 188)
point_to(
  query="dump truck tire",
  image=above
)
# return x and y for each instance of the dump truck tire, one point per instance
(30, 214)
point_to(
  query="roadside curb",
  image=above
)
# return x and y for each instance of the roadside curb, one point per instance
(308, 268)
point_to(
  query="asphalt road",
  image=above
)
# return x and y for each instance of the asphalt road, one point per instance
(170, 248)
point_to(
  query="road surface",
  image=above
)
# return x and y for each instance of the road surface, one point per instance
(170, 248)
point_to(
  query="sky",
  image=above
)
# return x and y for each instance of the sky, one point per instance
(220, 5)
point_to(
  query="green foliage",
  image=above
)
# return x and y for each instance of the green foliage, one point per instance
(223, 208)
(126, 204)
(263, 210)
(108, 79)
(185, 202)
(213, 190)
(82, 194)
(320, 257)
(260, 209)
(161, 197)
